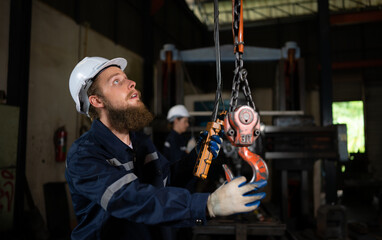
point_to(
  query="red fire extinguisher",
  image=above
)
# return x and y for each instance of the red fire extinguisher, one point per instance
(60, 143)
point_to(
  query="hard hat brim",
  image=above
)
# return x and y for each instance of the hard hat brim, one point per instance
(121, 62)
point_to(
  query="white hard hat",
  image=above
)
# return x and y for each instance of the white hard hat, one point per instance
(177, 111)
(82, 77)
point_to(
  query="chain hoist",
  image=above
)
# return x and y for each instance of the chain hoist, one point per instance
(242, 122)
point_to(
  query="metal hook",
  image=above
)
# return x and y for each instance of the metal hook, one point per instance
(258, 165)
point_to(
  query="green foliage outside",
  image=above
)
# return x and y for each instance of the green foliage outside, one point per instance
(351, 114)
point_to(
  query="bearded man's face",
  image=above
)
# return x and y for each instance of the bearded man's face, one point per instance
(130, 118)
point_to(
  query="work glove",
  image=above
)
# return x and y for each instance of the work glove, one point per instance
(236, 196)
(214, 144)
(191, 144)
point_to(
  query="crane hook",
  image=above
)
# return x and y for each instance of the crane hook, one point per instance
(258, 165)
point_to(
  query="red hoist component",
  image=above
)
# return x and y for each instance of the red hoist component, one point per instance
(241, 123)
(242, 126)
(60, 142)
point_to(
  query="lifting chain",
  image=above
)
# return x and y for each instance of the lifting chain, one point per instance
(240, 78)
(240, 73)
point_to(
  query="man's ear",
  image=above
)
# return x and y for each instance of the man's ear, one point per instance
(95, 101)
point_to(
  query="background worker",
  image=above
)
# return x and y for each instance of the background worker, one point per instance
(177, 146)
(117, 178)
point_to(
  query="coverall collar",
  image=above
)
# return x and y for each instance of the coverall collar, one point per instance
(109, 140)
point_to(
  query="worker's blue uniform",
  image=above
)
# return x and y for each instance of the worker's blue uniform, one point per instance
(118, 192)
(181, 166)
(174, 147)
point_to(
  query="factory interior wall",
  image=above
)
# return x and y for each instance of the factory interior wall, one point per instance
(373, 115)
(364, 85)
(57, 44)
(4, 33)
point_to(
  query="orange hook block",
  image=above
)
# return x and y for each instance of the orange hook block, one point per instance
(258, 165)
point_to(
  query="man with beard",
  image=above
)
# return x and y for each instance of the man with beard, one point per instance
(118, 180)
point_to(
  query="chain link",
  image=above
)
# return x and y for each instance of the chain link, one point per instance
(240, 78)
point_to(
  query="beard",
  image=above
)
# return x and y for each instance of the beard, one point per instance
(129, 118)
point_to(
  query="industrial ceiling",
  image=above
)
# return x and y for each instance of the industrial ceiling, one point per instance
(255, 11)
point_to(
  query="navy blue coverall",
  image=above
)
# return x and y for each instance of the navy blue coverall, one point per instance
(119, 192)
(181, 166)
(174, 147)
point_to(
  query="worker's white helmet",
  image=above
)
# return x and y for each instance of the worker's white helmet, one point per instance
(83, 75)
(177, 111)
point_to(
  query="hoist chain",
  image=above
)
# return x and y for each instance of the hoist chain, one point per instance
(240, 73)
(237, 26)
(240, 78)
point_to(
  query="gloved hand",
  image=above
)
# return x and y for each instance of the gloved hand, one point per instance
(191, 144)
(236, 196)
(214, 144)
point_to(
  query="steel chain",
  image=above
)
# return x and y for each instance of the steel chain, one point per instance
(240, 77)
(240, 73)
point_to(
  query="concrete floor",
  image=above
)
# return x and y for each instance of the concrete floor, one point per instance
(364, 222)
